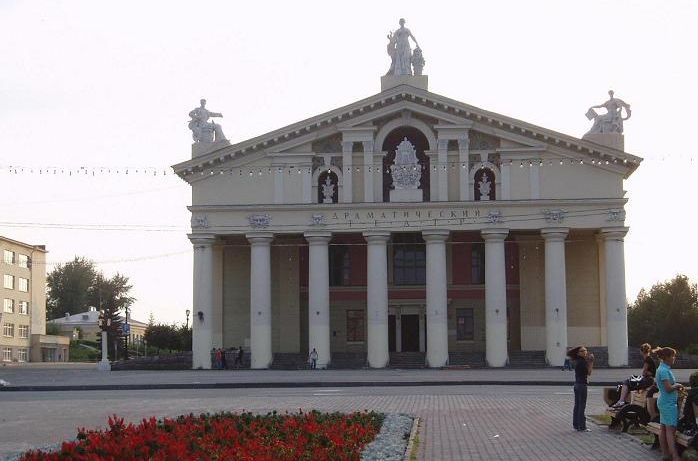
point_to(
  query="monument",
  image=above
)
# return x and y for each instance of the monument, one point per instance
(406, 65)
(608, 128)
(207, 135)
(406, 173)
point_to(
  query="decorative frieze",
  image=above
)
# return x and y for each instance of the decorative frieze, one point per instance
(259, 221)
(317, 220)
(554, 216)
(617, 215)
(494, 217)
(199, 222)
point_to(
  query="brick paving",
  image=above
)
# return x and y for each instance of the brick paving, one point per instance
(458, 422)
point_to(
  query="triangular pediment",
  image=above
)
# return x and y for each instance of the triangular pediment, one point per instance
(324, 132)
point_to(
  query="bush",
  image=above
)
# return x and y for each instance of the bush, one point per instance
(691, 349)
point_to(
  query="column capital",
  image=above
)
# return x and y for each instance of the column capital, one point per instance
(259, 238)
(442, 144)
(315, 237)
(347, 146)
(613, 233)
(554, 233)
(435, 235)
(202, 239)
(494, 234)
(376, 236)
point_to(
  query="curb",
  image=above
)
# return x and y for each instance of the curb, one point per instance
(413, 436)
(282, 385)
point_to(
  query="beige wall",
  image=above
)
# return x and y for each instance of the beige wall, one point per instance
(583, 313)
(236, 296)
(532, 293)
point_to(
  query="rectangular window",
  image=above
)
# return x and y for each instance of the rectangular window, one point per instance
(340, 266)
(9, 257)
(24, 307)
(23, 284)
(409, 259)
(7, 354)
(465, 325)
(9, 282)
(23, 260)
(477, 263)
(23, 355)
(9, 306)
(355, 326)
(8, 330)
(23, 331)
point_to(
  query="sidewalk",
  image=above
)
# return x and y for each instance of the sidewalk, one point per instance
(67, 377)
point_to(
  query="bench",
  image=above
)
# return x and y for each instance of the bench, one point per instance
(654, 426)
(633, 413)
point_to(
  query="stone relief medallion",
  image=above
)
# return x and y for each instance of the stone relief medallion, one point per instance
(406, 171)
(199, 222)
(317, 220)
(494, 217)
(554, 216)
(616, 215)
(259, 221)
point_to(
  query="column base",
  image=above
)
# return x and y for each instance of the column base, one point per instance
(103, 365)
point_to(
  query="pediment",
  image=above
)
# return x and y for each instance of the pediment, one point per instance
(323, 133)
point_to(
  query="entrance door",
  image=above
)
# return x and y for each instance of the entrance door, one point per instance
(409, 326)
(391, 333)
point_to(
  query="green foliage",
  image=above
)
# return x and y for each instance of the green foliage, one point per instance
(667, 315)
(79, 353)
(68, 287)
(169, 337)
(53, 329)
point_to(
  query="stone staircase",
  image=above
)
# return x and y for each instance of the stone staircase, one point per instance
(527, 359)
(348, 360)
(289, 361)
(407, 359)
(466, 359)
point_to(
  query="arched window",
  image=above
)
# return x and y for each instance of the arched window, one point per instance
(485, 187)
(421, 145)
(328, 187)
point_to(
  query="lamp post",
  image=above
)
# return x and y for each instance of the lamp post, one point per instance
(104, 365)
(186, 325)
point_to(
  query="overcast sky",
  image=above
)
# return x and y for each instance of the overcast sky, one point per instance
(109, 84)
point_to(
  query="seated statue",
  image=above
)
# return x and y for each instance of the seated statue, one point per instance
(612, 120)
(201, 129)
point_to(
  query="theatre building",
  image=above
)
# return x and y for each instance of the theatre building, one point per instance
(408, 228)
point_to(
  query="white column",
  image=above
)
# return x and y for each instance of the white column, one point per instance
(202, 322)
(463, 167)
(616, 303)
(506, 181)
(442, 165)
(555, 296)
(347, 166)
(377, 298)
(422, 331)
(437, 320)
(495, 298)
(260, 299)
(368, 171)
(319, 295)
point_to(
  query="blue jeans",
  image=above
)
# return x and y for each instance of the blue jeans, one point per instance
(580, 403)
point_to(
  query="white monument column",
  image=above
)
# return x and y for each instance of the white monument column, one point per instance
(202, 322)
(437, 302)
(347, 166)
(616, 303)
(555, 296)
(495, 297)
(464, 159)
(368, 171)
(377, 298)
(319, 295)
(442, 173)
(260, 299)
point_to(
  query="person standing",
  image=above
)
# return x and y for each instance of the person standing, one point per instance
(224, 359)
(313, 359)
(238, 358)
(667, 403)
(584, 364)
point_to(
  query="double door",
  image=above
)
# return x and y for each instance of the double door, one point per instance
(406, 331)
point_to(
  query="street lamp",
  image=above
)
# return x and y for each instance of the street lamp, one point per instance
(104, 323)
(186, 325)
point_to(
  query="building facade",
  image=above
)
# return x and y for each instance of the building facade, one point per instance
(85, 325)
(23, 315)
(409, 222)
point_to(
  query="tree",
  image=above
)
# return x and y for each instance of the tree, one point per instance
(170, 337)
(667, 315)
(68, 287)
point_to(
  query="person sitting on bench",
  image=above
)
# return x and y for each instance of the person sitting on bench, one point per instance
(645, 380)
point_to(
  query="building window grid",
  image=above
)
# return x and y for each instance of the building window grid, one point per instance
(23, 261)
(7, 354)
(23, 284)
(8, 257)
(355, 326)
(465, 324)
(22, 355)
(8, 330)
(23, 308)
(409, 260)
(23, 331)
(477, 264)
(9, 306)
(9, 281)
(340, 266)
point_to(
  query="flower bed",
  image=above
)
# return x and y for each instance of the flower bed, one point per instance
(224, 436)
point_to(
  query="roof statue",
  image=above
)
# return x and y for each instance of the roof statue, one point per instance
(202, 130)
(400, 52)
(612, 120)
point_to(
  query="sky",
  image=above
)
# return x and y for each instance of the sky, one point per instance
(107, 86)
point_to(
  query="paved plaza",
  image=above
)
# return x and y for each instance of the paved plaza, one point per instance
(459, 422)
